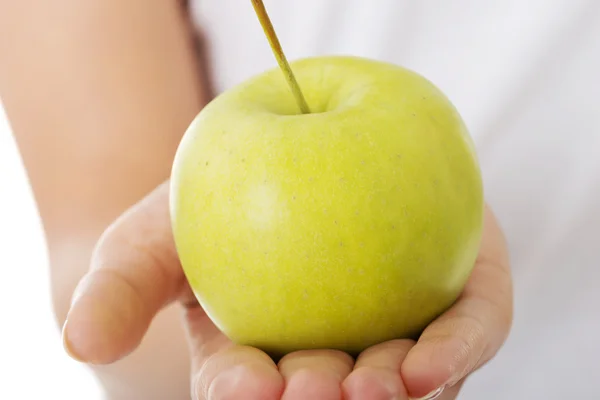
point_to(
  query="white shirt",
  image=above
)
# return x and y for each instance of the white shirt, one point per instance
(525, 76)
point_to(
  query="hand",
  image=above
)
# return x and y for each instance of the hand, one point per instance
(135, 272)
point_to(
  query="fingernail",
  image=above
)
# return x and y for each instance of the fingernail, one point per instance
(431, 396)
(67, 345)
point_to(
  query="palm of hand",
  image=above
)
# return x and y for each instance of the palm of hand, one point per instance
(135, 275)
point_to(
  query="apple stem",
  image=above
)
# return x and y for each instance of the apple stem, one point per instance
(267, 26)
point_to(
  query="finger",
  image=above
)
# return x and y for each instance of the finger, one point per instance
(442, 393)
(471, 332)
(135, 272)
(376, 374)
(238, 372)
(221, 370)
(450, 393)
(315, 374)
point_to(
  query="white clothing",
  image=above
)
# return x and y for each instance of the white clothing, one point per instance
(525, 76)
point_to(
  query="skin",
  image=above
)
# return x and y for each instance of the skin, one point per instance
(134, 276)
(98, 94)
(113, 85)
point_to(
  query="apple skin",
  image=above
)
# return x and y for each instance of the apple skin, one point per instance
(343, 228)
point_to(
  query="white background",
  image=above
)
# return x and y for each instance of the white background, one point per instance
(32, 362)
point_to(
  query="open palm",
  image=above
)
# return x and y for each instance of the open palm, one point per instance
(135, 273)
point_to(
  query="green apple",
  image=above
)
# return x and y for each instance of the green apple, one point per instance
(352, 225)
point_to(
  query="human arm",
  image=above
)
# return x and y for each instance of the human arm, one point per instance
(98, 94)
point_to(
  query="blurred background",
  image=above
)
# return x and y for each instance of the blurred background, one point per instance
(32, 362)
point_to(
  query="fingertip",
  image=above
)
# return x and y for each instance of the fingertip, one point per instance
(256, 382)
(432, 395)
(336, 362)
(135, 272)
(311, 374)
(310, 384)
(105, 322)
(377, 372)
(428, 367)
(374, 383)
(67, 346)
(237, 372)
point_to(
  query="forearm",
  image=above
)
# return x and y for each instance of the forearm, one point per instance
(98, 94)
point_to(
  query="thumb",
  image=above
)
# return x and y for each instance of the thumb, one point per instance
(134, 273)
